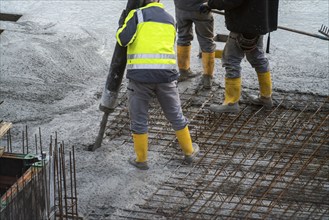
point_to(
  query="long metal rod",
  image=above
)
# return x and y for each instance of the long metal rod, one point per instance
(304, 33)
(287, 29)
(64, 177)
(27, 140)
(71, 185)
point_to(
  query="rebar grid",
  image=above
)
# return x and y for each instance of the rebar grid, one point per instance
(258, 164)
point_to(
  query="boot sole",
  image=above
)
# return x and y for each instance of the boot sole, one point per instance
(189, 159)
(214, 109)
(267, 106)
(139, 165)
(185, 78)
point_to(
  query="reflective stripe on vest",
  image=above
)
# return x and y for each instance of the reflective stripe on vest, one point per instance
(151, 56)
(139, 16)
(151, 66)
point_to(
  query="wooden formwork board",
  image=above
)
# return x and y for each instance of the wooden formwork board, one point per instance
(19, 184)
(4, 127)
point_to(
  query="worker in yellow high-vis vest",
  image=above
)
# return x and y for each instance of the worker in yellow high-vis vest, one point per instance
(149, 33)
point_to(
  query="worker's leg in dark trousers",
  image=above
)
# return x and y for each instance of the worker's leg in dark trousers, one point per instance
(139, 96)
(260, 63)
(168, 96)
(231, 61)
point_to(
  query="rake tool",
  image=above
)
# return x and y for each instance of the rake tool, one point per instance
(324, 30)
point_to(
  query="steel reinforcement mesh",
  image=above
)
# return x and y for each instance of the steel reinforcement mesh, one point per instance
(257, 164)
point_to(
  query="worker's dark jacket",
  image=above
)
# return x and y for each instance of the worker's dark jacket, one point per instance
(256, 17)
(189, 5)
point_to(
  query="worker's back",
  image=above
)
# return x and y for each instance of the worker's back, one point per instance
(149, 33)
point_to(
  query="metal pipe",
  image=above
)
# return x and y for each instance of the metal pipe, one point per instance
(27, 140)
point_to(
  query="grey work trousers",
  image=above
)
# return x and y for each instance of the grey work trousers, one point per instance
(233, 55)
(139, 96)
(204, 29)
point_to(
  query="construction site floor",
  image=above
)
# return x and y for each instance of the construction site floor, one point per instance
(257, 164)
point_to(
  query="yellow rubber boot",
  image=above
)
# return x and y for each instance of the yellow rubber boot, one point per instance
(208, 62)
(219, 54)
(265, 84)
(265, 91)
(183, 57)
(141, 146)
(191, 150)
(232, 97)
(183, 62)
(184, 140)
(232, 90)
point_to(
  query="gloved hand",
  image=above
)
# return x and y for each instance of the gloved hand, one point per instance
(204, 8)
(122, 18)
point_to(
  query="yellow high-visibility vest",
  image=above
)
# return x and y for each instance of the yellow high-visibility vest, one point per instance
(151, 44)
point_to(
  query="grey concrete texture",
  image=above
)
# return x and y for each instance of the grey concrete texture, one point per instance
(54, 62)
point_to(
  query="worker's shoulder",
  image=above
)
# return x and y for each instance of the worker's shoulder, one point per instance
(158, 14)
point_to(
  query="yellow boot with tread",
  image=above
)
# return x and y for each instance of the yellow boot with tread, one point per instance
(208, 63)
(183, 62)
(190, 150)
(141, 148)
(232, 97)
(265, 91)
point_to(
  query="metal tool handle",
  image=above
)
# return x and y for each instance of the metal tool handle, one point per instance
(286, 28)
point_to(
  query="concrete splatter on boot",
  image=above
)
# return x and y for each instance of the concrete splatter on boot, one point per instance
(186, 74)
(208, 63)
(225, 108)
(139, 165)
(262, 101)
(190, 158)
(207, 81)
(183, 61)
